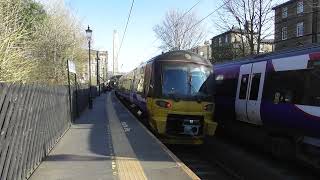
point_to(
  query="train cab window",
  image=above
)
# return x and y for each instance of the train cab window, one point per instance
(255, 84)
(208, 86)
(244, 86)
(175, 80)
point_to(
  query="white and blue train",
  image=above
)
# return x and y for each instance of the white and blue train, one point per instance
(273, 100)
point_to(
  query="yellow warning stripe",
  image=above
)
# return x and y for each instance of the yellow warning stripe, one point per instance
(126, 163)
(129, 168)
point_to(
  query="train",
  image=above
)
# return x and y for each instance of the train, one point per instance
(112, 83)
(173, 94)
(273, 101)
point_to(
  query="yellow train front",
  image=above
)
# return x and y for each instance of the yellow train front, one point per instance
(174, 92)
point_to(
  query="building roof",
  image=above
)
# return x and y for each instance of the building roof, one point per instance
(283, 4)
(267, 41)
(232, 30)
(180, 55)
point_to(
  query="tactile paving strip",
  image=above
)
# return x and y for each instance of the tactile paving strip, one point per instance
(126, 162)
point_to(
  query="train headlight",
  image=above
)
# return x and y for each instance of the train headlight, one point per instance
(208, 107)
(164, 104)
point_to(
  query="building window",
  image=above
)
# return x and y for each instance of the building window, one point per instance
(284, 33)
(220, 41)
(226, 39)
(300, 29)
(299, 7)
(284, 12)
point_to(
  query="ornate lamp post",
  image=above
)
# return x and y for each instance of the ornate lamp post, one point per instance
(89, 35)
(98, 79)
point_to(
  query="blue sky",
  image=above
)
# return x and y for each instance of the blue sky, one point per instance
(104, 16)
(139, 45)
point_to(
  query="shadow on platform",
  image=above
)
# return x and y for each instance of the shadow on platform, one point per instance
(71, 157)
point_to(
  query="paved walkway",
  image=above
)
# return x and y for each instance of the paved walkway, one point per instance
(83, 152)
(107, 142)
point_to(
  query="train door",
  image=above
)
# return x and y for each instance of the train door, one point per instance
(242, 90)
(249, 92)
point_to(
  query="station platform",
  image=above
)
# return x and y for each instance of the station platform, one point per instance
(108, 142)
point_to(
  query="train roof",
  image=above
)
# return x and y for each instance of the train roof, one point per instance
(274, 55)
(115, 77)
(180, 55)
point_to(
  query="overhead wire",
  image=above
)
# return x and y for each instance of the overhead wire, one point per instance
(184, 14)
(215, 10)
(125, 29)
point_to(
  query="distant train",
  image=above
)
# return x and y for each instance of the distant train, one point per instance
(112, 83)
(273, 100)
(172, 91)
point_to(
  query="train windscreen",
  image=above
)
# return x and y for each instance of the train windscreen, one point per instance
(186, 81)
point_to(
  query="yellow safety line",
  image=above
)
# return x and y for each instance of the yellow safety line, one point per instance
(128, 167)
(179, 163)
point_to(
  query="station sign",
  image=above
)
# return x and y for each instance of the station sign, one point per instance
(72, 66)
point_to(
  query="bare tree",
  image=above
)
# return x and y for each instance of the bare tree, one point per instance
(179, 31)
(253, 19)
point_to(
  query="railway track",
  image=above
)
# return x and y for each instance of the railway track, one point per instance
(192, 156)
(221, 159)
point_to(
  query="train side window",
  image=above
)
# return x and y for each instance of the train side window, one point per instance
(285, 87)
(147, 78)
(243, 86)
(255, 84)
(140, 80)
(312, 88)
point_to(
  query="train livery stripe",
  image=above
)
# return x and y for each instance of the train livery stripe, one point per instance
(291, 63)
(311, 110)
(314, 56)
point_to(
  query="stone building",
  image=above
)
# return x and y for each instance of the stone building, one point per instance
(203, 50)
(103, 67)
(297, 23)
(228, 45)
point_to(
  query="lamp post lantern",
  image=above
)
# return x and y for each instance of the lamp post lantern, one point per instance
(89, 35)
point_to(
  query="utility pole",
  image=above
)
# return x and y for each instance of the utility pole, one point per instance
(113, 58)
(115, 53)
